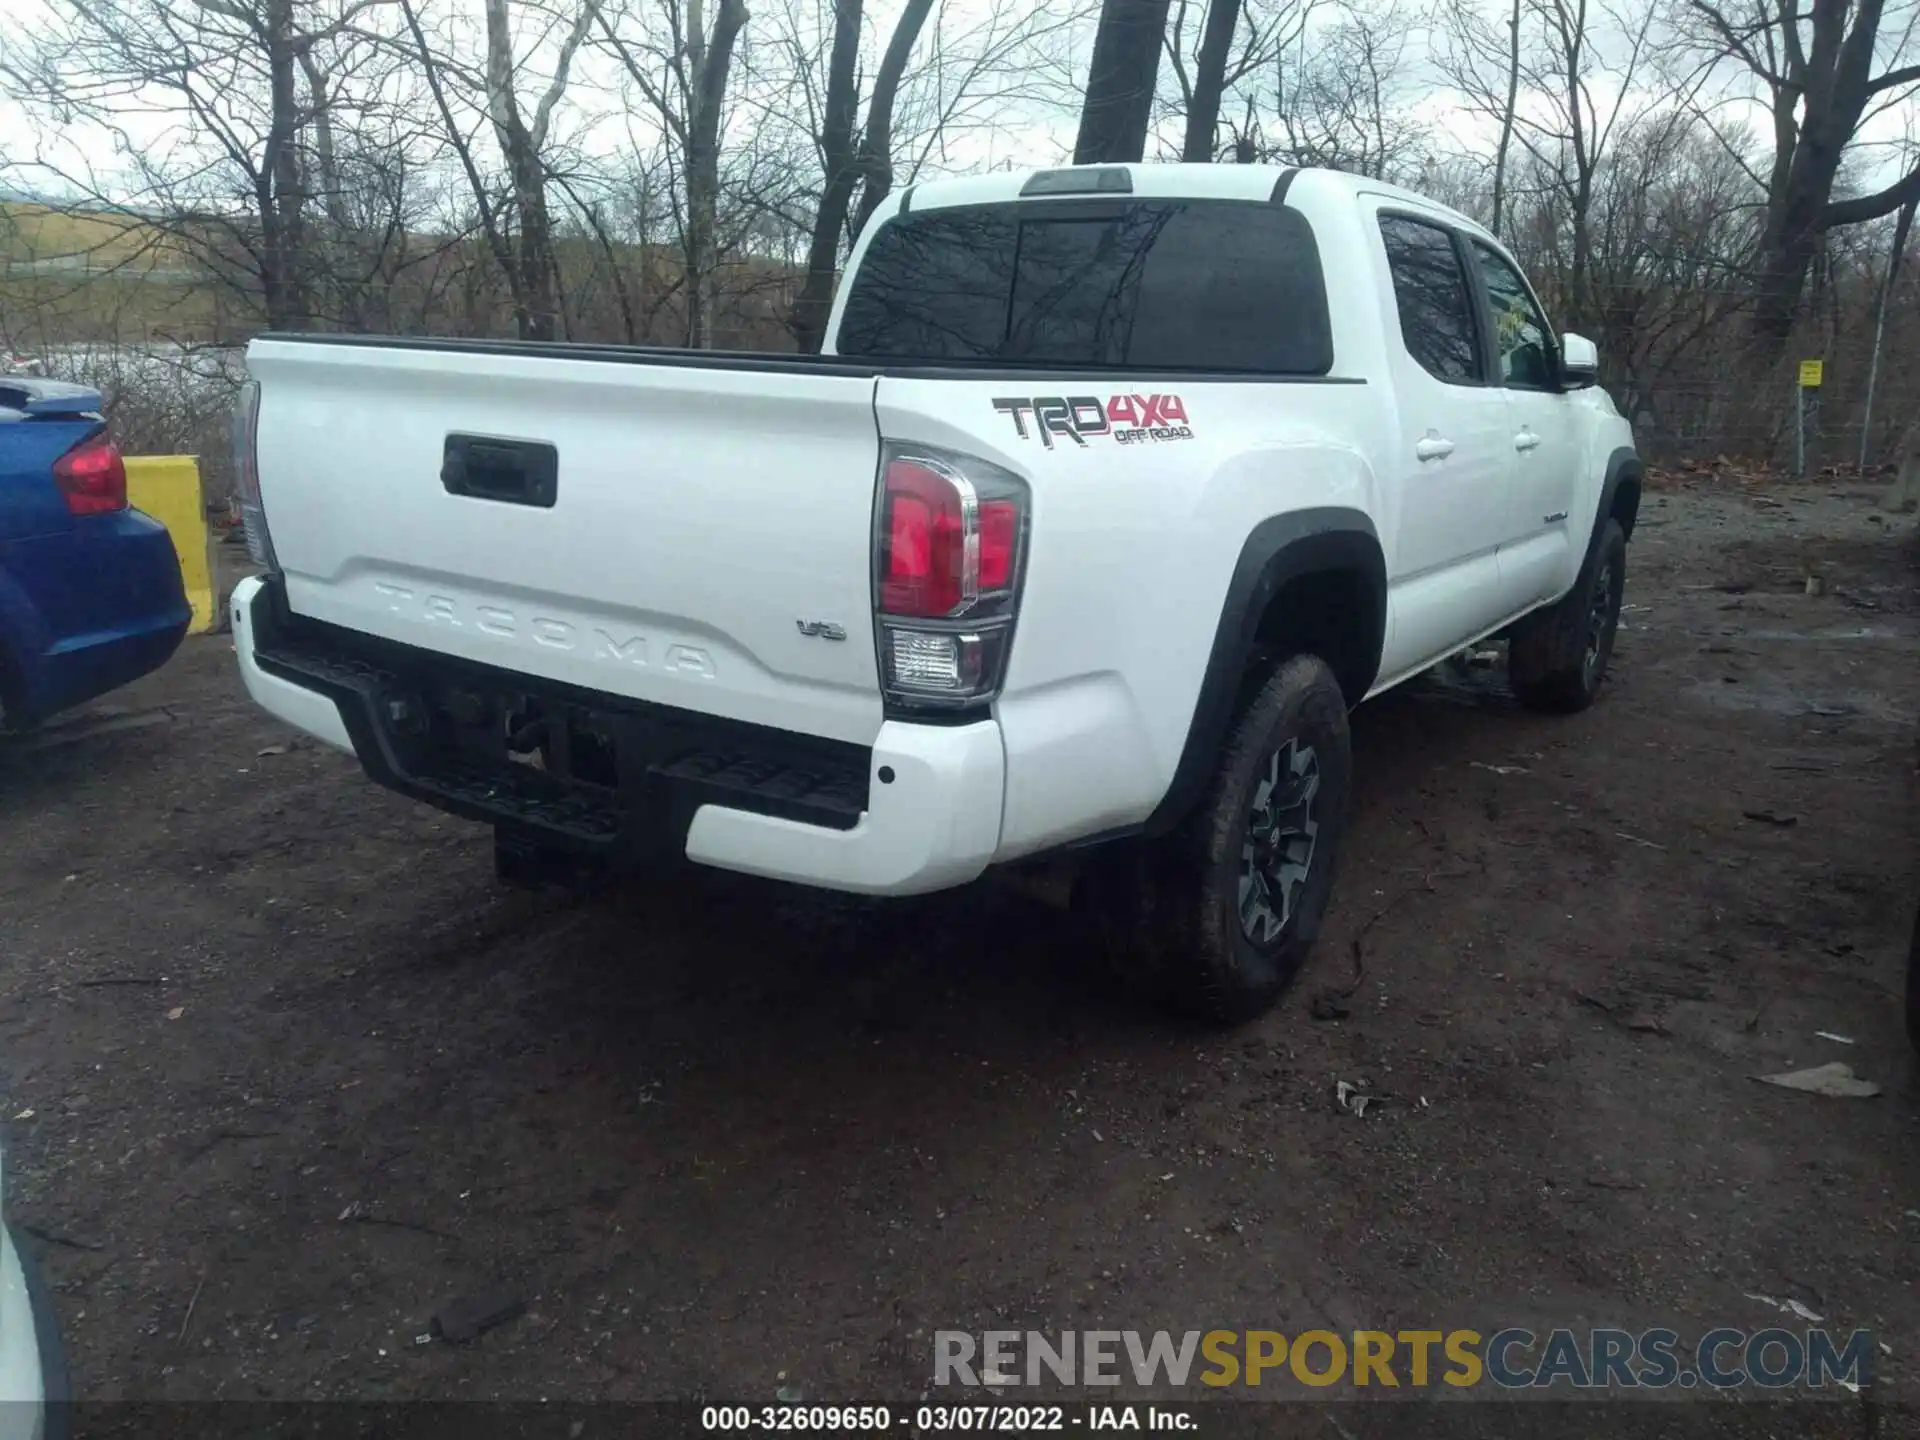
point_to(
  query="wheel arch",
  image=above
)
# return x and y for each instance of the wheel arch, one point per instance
(1620, 492)
(1310, 579)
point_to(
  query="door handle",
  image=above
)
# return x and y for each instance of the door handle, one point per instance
(1526, 440)
(512, 472)
(1432, 447)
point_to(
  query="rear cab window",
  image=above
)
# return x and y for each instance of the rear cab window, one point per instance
(1150, 284)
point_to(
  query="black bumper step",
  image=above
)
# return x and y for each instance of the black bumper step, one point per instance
(771, 786)
(522, 796)
(654, 765)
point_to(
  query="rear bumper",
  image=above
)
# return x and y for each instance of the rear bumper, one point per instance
(101, 607)
(88, 666)
(935, 824)
(618, 779)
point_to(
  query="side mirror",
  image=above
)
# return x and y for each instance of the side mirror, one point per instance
(1579, 361)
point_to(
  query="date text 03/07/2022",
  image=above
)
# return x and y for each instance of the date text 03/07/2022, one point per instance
(926, 1419)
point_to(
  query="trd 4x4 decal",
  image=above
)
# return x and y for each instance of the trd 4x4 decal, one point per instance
(1129, 419)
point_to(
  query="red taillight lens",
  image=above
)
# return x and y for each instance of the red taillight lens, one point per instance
(923, 560)
(927, 568)
(999, 532)
(93, 477)
(947, 562)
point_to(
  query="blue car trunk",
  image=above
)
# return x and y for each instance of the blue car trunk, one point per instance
(87, 601)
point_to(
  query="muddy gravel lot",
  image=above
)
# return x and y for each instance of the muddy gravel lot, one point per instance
(283, 1069)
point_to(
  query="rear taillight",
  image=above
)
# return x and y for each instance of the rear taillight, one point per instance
(948, 538)
(246, 474)
(93, 477)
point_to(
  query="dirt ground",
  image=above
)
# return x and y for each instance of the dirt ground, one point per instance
(283, 1069)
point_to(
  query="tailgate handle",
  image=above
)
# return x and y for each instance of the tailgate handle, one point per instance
(513, 472)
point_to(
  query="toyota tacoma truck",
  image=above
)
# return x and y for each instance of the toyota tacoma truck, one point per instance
(1115, 489)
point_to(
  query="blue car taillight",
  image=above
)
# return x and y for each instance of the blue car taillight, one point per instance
(92, 477)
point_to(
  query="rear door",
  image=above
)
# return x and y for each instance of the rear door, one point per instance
(1538, 527)
(1452, 468)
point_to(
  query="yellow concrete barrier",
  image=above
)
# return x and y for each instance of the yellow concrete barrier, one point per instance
(167, 487)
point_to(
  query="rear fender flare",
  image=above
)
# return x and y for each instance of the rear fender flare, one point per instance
(1281, 549)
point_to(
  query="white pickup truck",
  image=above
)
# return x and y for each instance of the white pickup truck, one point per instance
(1117, 487)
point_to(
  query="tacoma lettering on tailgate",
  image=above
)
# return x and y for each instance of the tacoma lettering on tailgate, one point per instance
(593, 641)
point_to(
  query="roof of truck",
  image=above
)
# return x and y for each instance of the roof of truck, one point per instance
(1209, 182)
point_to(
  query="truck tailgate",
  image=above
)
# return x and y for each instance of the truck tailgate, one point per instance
(704, 542)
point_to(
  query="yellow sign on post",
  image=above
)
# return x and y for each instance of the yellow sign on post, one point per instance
(167, 487)
(1811, 374)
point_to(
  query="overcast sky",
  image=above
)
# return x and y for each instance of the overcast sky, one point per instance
(1030, 132)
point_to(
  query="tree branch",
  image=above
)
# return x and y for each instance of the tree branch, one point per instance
(1872, 207)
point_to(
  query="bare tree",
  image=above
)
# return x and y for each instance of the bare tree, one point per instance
(1579, 96)
(683, 75)
(876, 141)
(1118, 106)
(224, 78)
(522, 144)
(1505, 147)
(708, 58)
(849, 160)
(1209, 75)
(1670, 228)
(982, 82)
(435, 68)
(1823, 68)
(836, 143)
(1328, 93)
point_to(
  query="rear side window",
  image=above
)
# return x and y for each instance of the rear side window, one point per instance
(1436, 308)
(1143, 285)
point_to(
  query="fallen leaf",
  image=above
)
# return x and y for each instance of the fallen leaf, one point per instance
(176, 1012)
(1836, 1081)
(1352, 1098)
(1791, 1307)
(460, 1320)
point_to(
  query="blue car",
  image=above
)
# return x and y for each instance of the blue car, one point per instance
(90, 589)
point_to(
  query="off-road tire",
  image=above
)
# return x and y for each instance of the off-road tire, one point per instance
(1557, 660)
(1172, 912)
